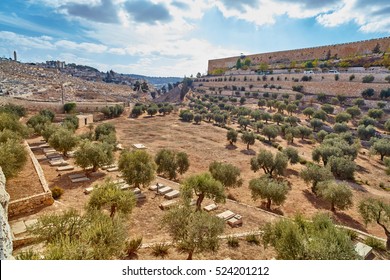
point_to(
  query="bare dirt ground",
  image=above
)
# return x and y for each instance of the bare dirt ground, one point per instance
(25, 184)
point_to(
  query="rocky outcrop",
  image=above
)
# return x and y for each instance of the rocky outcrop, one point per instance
(5, 232)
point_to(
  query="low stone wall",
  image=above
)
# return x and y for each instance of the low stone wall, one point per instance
(5, 231)
(32, 203)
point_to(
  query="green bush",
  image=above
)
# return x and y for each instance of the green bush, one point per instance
(16, 110)
(368, 79)
(233, 242)
(375, 243)
(160, 250)
(69, 107)
(133, 246)
(57, 192)
(252, 239)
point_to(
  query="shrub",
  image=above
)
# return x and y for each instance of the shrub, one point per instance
(387, 78)
(133, 246)
(342, 168)
(160, 250)
(385, 93)
(375, 243)
(252, 239)
(336, 77)
(292, 155)
(28, 255)
(368, 92)
(70, 107)
(368, 79)
(16, 110)
(298, 88)
(375, 113)
(233, 242)
(351, 78)
(359, 102)
(57, 192)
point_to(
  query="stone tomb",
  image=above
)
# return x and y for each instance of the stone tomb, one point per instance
(172, 194)
(164, 190)
(210, 207)
(226, 215)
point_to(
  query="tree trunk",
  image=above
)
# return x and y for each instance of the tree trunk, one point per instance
(231, 143)
(199, 202)
(268, 203)
(190, 255)
(388, 242)
(113, 211)
(94, 168)
(332, 208)
(247, 146)
(382, 156)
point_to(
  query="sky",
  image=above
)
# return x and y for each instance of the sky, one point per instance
(178, 37)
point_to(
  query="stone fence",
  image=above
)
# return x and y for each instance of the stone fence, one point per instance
(5, 231)
(35, 202)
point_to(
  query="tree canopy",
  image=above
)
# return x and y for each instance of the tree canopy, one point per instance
(203, 186)
(137, 167)
(304, 240)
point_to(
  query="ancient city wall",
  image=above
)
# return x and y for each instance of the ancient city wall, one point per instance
(32, 203)
(285, 57)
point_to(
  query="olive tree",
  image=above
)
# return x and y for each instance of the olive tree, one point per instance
(292, 154)
(95, 154)
(170, 162)
(270, 189)
(303, 240)
(226, 173)
(232, 136)
(63, 140)
(314, 174)
(203, 186)
(342, 167)
(248, 138)
(72, 236)
(137, 167)
(108, 195)
(13, 157)
(193, 232)
(337, 194)
(271, 131)
(382, 147)
(272, 165)
(376, 211)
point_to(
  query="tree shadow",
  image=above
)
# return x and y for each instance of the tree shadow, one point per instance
(291, 172)
(315, 201)
(249, 152)
(277, 210)
(231, 147)
(345, 219)
(294, 145)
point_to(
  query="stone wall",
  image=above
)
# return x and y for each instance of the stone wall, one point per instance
(285, 57)
(5, 231)
(32, 203)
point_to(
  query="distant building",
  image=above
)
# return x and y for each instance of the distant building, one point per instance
(85, 120)
(55, 64)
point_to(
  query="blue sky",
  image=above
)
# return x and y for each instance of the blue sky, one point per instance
(178, 37)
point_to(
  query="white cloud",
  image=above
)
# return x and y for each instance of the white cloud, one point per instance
(26, 42)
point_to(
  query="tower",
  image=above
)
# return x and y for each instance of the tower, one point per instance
(15, 57)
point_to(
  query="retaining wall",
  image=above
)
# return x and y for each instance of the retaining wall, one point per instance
(35, 202)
